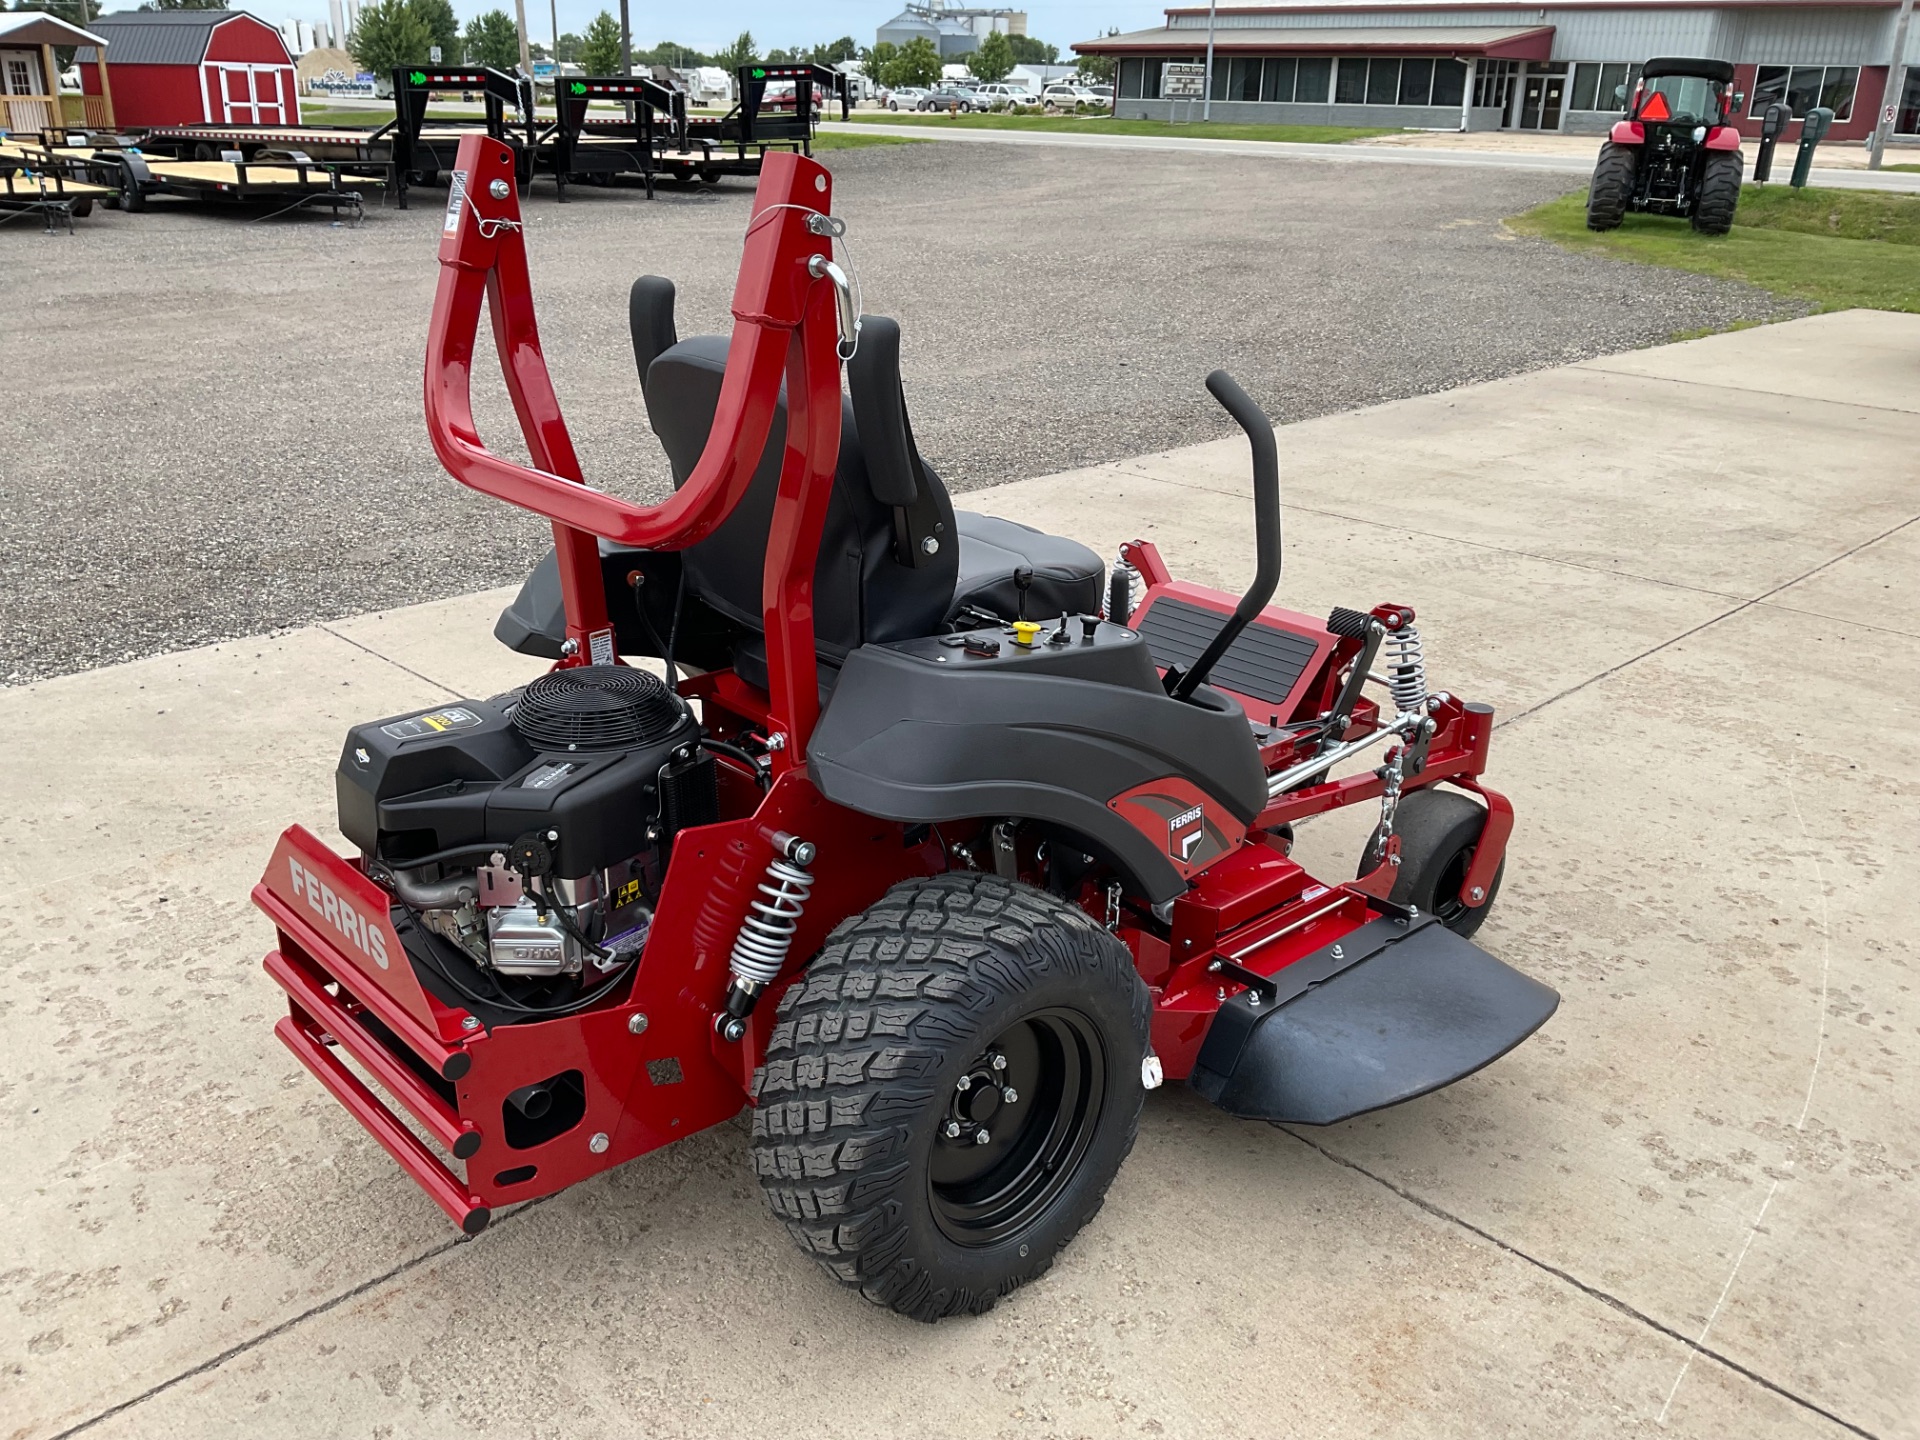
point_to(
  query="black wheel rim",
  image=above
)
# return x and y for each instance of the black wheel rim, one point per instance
(987, 1191)
(1448, 907)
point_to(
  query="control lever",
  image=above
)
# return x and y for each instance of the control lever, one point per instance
(1022, 582)
(1266, 526)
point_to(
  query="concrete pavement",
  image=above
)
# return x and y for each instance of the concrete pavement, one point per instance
(1687, 1207)
(1350, 153)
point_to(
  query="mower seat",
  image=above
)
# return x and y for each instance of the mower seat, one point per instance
(867, 587)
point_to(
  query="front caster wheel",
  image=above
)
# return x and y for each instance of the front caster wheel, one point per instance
(949, 1090)
(1438, 830)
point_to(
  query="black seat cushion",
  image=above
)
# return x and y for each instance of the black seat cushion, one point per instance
(861, 592)
(1067, 576)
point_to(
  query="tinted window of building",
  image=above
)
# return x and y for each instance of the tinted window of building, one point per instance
(1383, 82)
(1449, 82)
(1311, 81)
(1416, 81)
(1278, 82)
(1350, 84)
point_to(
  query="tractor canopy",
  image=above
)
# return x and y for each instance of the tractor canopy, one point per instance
(1683, 93)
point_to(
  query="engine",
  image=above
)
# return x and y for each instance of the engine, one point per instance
(531, 831)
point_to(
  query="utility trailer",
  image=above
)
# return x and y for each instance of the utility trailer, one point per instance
(421, 154)
(737, 142)
(578, 150)
(34, 182)
(290, 184)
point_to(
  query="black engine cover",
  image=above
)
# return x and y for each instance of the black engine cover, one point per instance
(463, 778)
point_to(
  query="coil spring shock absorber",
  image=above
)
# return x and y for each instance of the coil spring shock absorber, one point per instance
(766, 935)
(1406, 669)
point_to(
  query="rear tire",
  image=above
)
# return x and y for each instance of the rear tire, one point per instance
(1719, 193)
(874, 1092)
(1439, 830)
(1612, 188)
(82, 207)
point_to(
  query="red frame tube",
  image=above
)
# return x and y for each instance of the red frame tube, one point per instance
(783, 328)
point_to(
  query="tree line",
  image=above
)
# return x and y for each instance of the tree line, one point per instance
(394, 33)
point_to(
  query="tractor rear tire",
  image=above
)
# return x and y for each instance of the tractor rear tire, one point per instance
(881, 1078)
(1439, 831)
(1612, 187)
(1719, 194)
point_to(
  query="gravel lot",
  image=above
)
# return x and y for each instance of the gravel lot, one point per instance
(214, 427)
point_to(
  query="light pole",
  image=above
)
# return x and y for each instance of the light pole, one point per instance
(1896, 88)
(626, 42)
(1206, 105)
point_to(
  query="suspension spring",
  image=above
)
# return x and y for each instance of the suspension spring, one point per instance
(766, 935)
(1406, 668)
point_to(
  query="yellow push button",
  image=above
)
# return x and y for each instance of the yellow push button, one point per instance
(1025, 632)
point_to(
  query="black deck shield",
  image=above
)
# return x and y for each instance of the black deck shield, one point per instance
(1402, 1009)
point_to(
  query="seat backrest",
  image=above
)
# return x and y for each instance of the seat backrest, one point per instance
(864, 590)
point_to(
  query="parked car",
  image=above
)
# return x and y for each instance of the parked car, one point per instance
(906, 97)
(954, 97)
(1071, 97)
(1002, 97)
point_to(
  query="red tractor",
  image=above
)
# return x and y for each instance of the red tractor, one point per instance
(1676, 153)
(927, 845)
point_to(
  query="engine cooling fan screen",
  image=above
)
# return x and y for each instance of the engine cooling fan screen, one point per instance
(597, 707)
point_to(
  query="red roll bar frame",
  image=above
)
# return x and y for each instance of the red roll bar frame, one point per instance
(784, 328)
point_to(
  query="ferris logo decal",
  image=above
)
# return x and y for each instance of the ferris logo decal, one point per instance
(1185, 831)
(337, 912)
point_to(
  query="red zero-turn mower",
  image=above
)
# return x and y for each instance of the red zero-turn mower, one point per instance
(914, 850)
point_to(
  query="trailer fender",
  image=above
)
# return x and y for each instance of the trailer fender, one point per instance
(1628, 132)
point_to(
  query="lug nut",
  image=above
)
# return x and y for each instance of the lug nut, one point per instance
(1010, 1095)
(981, 1137)
(953, 1129)
(964, 1083)
(999, 1062)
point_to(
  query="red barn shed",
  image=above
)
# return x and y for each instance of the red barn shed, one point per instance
(190, 67)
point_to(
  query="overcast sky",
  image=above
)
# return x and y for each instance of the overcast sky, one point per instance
(710, 26)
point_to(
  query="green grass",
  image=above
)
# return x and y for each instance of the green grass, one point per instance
(1107, 125)
(1910, 169)
(312, 114)
(840, 140)
(1837, 249)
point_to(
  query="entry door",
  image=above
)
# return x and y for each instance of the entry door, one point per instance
(251, 95)
(236, 95)
(268, 103)
(21, 76)
(1541, 100)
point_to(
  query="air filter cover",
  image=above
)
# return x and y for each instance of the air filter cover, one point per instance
(598, 707)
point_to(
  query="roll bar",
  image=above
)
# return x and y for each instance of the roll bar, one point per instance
(1266, 528)
(784, 330)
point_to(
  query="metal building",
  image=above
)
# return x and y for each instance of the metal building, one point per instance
(953, 29)
(1472, 65)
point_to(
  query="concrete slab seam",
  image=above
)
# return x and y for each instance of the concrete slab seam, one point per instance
(232, 1352)
(1759, 599)
(408, 669)
(1614, 1302)
(1806, 1103)
(1594, 367)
